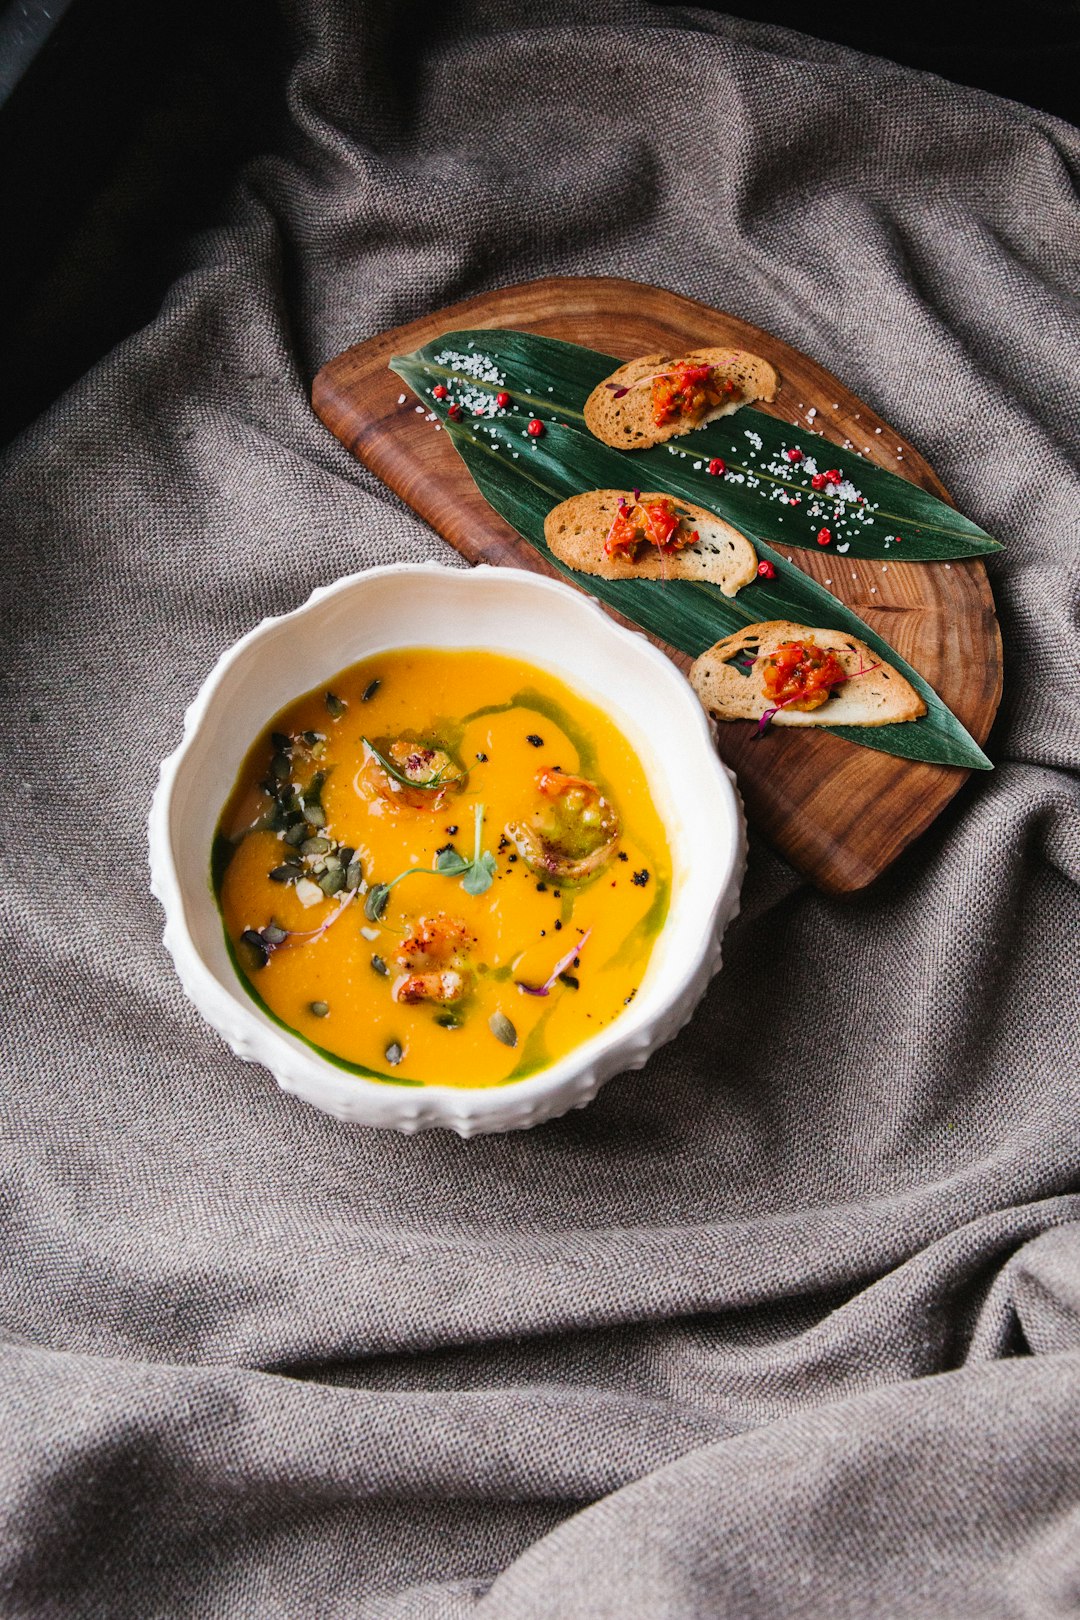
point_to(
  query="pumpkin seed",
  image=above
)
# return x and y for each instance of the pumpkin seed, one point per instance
(353, 876)
(315, 846)
(274, 934)
(334, 705)
(502, 1029)
(380, 966)
(394, 1054)
(332, 883)
(281, 742)
(296, 834)
(370, 690)
(447, 1020)
(280, 767)
(318, 1008)
(257, 946)
(316, 815)
(287, 873)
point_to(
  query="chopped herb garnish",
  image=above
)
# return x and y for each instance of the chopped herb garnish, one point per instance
(641, 878)
(537, 742)
(482, 758)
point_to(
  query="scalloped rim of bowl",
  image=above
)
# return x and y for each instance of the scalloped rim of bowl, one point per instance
(569, 1082)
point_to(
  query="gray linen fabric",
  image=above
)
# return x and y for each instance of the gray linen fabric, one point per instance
(787, 1324)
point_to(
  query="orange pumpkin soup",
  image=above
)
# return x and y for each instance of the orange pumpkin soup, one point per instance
(446, 868)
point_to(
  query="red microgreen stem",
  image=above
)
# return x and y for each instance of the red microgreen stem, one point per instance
(763, 723)
(560, 967)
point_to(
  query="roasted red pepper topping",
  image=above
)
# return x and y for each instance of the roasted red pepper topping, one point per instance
(688, 391)
(800, 675)
(653, 523)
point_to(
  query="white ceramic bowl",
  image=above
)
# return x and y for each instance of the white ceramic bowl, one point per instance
(504, 610)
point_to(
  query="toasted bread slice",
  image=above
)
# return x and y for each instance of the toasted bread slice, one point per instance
(879, 697)
(577, 529)
(627, 423)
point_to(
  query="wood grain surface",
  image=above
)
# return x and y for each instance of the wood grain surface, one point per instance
(839, 813)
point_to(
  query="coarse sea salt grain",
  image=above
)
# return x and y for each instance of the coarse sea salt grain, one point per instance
(419, 410)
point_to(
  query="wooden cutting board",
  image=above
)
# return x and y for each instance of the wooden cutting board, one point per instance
(839, 813)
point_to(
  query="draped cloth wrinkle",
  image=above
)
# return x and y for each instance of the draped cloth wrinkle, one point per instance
(788, 1323)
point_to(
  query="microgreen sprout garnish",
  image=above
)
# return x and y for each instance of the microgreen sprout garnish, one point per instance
(476, 875)
(480, 871)
(557, 971)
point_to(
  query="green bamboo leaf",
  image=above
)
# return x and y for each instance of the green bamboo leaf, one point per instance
(523, 478)
(865, 514)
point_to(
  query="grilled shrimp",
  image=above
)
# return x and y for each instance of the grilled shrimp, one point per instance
(405, 771)
(573, 831)
(435, 961)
